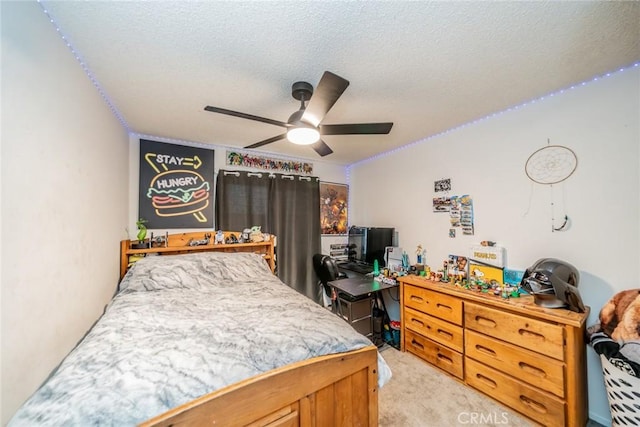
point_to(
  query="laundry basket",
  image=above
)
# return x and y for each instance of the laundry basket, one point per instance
(623, 391)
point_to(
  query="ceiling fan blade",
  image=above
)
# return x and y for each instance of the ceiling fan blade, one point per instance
(322, 148)
(329, 89)
(267, 141)
(245, 116)
(356, 129)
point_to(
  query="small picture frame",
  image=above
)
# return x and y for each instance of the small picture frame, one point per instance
(442, 185)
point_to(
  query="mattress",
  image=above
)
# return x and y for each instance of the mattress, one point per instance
(182, 326)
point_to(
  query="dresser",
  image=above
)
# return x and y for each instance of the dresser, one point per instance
(526, 357)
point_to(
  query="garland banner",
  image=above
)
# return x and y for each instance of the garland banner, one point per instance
(235, 158)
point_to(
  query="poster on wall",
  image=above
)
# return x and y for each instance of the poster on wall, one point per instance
(441, 204)
(460, 209)
(442, 185)
(466, 214)
(176, 185)
(454, 212)
(333, 208)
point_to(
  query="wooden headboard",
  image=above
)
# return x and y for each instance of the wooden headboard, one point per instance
(179, 244)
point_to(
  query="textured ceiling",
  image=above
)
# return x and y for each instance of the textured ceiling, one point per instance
(426, 66)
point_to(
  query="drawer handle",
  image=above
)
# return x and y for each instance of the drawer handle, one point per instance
(419, 322)
(447, 334)
(416, 298)
(485, 321)
(536, 406)
(487, 350)
(446, 307)
(445, 358)
(417, 344)
(488, 381)
(532, 369)
(530, 334)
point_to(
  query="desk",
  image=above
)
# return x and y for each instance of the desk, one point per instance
(360, 286)
(355, 269)
(356, 301)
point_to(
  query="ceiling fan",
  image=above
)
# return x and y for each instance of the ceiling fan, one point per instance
(305, 126)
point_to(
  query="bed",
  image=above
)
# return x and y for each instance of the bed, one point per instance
(210, 336)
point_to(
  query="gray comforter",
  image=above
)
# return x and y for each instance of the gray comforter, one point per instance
(182, 326)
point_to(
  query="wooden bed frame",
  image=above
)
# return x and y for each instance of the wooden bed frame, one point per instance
(333, 390)
(179, 244)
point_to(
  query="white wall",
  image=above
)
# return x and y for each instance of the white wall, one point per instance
(64, 201)
(54, 120)
(600, 121)
(323, 169)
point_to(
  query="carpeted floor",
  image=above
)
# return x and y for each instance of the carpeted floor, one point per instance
(419, 395)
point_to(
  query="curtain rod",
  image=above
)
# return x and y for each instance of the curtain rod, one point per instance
(271, 175)
(292, 177)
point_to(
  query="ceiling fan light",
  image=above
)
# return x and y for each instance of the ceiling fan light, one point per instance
(303, 135)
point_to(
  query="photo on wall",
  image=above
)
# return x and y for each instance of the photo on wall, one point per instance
(442, 185)
(333, 208)
(176, 186)
(441, 204)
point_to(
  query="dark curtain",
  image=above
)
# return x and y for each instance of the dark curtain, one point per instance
(242, 200)
(287, 206)
(295, 208)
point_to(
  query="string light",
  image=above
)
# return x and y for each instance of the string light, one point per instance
(509, 109)
(209, 146)
(86, 69)
(119, 116)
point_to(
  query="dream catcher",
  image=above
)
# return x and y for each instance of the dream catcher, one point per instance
(552, 165)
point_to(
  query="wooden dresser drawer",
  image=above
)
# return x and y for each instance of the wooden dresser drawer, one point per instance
(539, 336)
(434, 303)
(441, 356)
(540, 406)
(435, 329)
(533, 368)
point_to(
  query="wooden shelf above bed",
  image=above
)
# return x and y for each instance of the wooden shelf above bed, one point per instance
(179, 244)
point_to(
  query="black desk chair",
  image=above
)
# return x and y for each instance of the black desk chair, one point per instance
(327, 270)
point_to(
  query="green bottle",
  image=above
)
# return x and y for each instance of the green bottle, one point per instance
(376, 267)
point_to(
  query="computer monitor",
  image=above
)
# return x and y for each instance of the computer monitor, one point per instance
(367, 244)
(357, 243)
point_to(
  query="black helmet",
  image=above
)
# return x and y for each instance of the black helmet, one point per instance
(554, 284)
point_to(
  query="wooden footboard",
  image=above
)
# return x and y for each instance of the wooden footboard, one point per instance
(334, 390)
